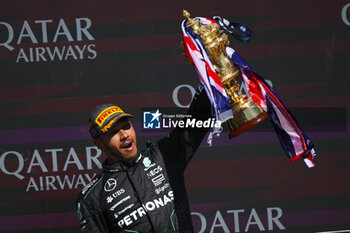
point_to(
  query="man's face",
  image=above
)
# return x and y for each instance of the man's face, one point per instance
(119, 143)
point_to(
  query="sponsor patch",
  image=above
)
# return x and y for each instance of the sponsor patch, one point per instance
(149, 206)
(154, 171)
(110, 185)
(146, 162)
(150, 166)
(100, 119)
(88, 186)
(158, 179)
(161, 189)
(116, 194)
(119, 202)
(126, 208)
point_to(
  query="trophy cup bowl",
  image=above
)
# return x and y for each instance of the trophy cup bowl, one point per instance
(246, 112)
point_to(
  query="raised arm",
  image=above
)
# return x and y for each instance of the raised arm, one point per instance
(180, 145)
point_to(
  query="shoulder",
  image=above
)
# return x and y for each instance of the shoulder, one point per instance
(91, 187)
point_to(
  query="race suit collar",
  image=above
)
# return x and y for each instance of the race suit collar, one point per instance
(106, 167)
(119, 166)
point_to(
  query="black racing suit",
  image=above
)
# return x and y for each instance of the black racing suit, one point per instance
(150, 194)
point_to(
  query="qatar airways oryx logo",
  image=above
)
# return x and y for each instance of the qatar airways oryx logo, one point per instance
(34, 42)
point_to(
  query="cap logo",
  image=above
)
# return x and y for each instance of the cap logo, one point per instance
(106, 113)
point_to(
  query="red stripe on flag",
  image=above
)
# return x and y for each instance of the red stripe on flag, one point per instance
(188, 43)
(255, 92)
(213, 75)
(267, 89)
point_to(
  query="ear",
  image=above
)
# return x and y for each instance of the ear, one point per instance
(99, 144)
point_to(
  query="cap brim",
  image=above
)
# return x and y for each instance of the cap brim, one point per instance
(121, 116)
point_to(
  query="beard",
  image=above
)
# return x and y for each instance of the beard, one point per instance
(130, 160)
(120, 156)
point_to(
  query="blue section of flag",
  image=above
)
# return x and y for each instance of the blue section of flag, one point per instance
(293, 140)
(217, 95)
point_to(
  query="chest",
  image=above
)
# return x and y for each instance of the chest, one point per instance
(137, 194)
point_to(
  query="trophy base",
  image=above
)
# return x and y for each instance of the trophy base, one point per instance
(246, 119)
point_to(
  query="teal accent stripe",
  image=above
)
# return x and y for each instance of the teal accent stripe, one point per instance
(131, 231)
(171, 219)
(93, 187)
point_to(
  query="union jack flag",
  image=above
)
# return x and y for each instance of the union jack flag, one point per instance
(293, 140)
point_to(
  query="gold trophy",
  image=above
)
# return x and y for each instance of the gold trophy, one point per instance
(246, 112)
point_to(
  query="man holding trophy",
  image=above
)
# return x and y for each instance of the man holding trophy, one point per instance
(144, 190)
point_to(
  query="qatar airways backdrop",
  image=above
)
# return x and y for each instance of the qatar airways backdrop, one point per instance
(59, 59)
